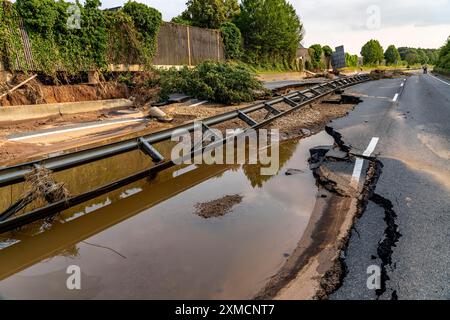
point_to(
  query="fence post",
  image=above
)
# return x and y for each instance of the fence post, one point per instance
(189, 45)
(218, 46)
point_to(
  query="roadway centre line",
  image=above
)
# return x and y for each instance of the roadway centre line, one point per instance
(356, 175)
(395, 97)
(439, 80)
(74, 129)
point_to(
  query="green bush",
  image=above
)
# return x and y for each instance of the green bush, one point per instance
(229, 83)
(327, 51)
(232, 40)
(351, 60)
(315, 51)
(125, 36)
(147, 22)
(443, 63)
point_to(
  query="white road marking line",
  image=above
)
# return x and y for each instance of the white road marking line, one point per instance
(402, 84)
(395, 97)
(357, 172)
(37, 135)
(371, 147)
(440, 80)
(198, 103)
(356, 175)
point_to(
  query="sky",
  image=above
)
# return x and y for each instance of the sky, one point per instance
(413, 23)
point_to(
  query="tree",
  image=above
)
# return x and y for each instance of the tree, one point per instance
(423, 58)
(412, 56)
(372, 52)
(271, 30)
(444, 57)
(40, 15)
(315, 51)
(327, 51)
(209, 13)
(391, 55)
(179, 19)
(351, 60)
(232, 40)
(147, 21)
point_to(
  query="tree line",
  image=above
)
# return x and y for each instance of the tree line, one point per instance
(373, 54)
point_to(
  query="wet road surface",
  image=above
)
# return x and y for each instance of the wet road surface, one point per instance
(411, 208)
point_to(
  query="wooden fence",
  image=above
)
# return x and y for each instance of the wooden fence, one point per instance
(177, 45)
(187, 45)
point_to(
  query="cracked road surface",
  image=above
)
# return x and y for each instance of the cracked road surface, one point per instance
(405, 229)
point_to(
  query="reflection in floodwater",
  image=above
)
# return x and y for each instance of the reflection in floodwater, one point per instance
(144, 240)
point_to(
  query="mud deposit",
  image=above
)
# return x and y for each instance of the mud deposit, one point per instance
(218, 207)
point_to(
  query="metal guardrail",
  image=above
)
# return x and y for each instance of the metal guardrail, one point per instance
(17, 173)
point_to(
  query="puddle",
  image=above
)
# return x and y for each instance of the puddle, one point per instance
(146, 242)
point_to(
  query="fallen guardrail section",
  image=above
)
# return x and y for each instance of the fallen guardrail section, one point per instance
(16, 174)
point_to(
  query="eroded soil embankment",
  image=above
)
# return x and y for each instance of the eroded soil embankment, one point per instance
(36, 93)
(316, 267)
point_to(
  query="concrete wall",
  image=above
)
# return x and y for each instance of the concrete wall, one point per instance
(26, 112)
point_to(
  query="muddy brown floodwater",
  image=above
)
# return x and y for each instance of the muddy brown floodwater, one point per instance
(146, 242)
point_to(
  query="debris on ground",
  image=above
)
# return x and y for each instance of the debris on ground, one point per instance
(291, 172)
(379, 74)
(42, 186)
(310, 119)
(217, 208)
(159, 115)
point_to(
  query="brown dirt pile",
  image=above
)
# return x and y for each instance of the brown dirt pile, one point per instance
(387, 74)
(217, 208)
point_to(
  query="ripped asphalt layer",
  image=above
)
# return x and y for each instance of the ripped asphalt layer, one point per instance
(332, 231)
(334, 277)
(391, 237)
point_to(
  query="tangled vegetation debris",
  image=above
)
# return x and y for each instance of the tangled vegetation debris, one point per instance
(229, 83)
(42, 186)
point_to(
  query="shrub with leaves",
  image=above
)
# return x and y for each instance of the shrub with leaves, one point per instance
(232, 40)
(147, 21)
(125, 36)
(315, 51)
(229, 83)
(443, 63)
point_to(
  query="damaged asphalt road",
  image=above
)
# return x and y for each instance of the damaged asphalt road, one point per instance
(405, 229)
